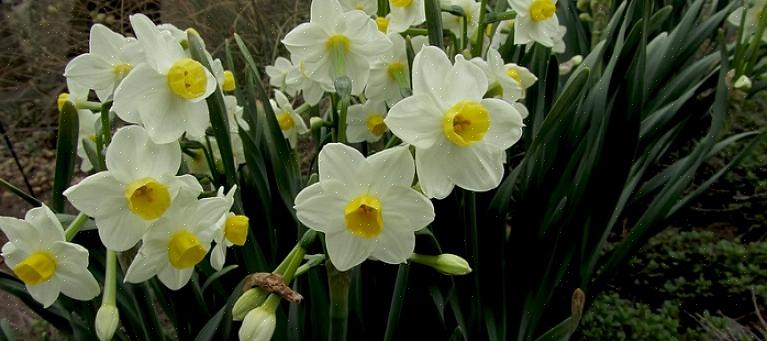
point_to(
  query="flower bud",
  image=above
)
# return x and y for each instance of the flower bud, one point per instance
(107, 320)
(743, 83)
(446, 263)
(258, 325)
(63, 98)
(343, 86)
(315, 123)
(250, 299)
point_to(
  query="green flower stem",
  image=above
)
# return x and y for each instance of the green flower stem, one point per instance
(415, 32)
(383, 8)
(471, 219)
(398, 297)
(478, 43)
(75, 226)
(434, 22)
(342, 112)
(404, 84)
(339, 283)
(106, 125)
(93, 106)
(110, 280)
(312, 261)
(502, 16)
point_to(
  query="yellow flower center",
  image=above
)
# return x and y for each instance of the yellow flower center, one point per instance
(395, 69)
(121, 70)
(376, 125)
(37, 268)
(185, 250)
(63, 98)
(285, 120)
(542, 9)
(514, 74)
(466, 123)
(236, 229)
(187, 78)
(383, 24)
(363, 216)
(147, 198)
(229, 83)
(401, 3)
(336, 41)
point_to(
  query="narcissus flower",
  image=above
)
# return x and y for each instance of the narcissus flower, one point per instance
(536, 21)
(177, 242)
(39, 256)
(406, 13)
(460, 137)
(365, 206)
(278, 74)
(365, 122)
(511, 79)
(87, 130)
(167, 94)
(297, 79)
(454, 23)
(336, 43)
(290, 121)
(390, 74)
(139, 185)
(110, 59)
(230, 229)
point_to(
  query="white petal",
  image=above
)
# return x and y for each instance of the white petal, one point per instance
(121, 230)
(91, 71)
(174, 278)
(431, 165)
(141, 83)
(416, 120)
(97, 195)
(394, 246)
(105, 43)
(145, 265)
(320, 209)
(133, 155)
(14, 255)
(48, 227)
(46, 293)
(393, 166)
(77, 283)
(358, 70)
(70, 255)
(21, 235)
(305, 39)
(161, 49)
(477, 168)
(465, 81)
(218, 256)
(340, 162)
(430, 68)
(205, 214)
(164, 116)
(347, 250)
(198, 119)
(406, 209)
(505, 123)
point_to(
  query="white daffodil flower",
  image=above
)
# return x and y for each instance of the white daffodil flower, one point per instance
(501, 34)
(86, 130)
(110, 58)
(297, 79)
(290, 121)
(230, 229)
(336, 43)
(406, 13)
(167, 94)
(39, 256)
(454, 23)
(370, 7)
(278, 74)
(178, 34)
(559, 40)
(177, 242)
(390, 74)
(365, 122)
(753, 9)
(536, 21)
(365, 206)
(459, 137)
(512, 79)
(139, 185)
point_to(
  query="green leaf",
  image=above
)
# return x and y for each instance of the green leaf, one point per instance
(217, 108)
(66, 154)
(221, 321)
(566, 328)
(6, 332)
(20, 193)
(434, 22)
(217, 275)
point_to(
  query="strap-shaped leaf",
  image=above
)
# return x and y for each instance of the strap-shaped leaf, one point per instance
(66, 154)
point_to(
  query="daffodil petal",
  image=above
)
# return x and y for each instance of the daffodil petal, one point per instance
(97, 195)
(319, 209)
(406, 209)
(77, 282)
(394, 246)
(391, 166)
(416, 120)
(174, 278)
(430, 166)
(46, 293)
(478, 168)
(133, 155)
(347, 250)
(506, 127)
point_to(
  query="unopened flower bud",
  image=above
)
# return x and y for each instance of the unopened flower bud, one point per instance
(63, 98)
(249, 300)
(343, 86)
(446, 263)
(315, 123)
(107, 320)
(743, 83)
(258, 325)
